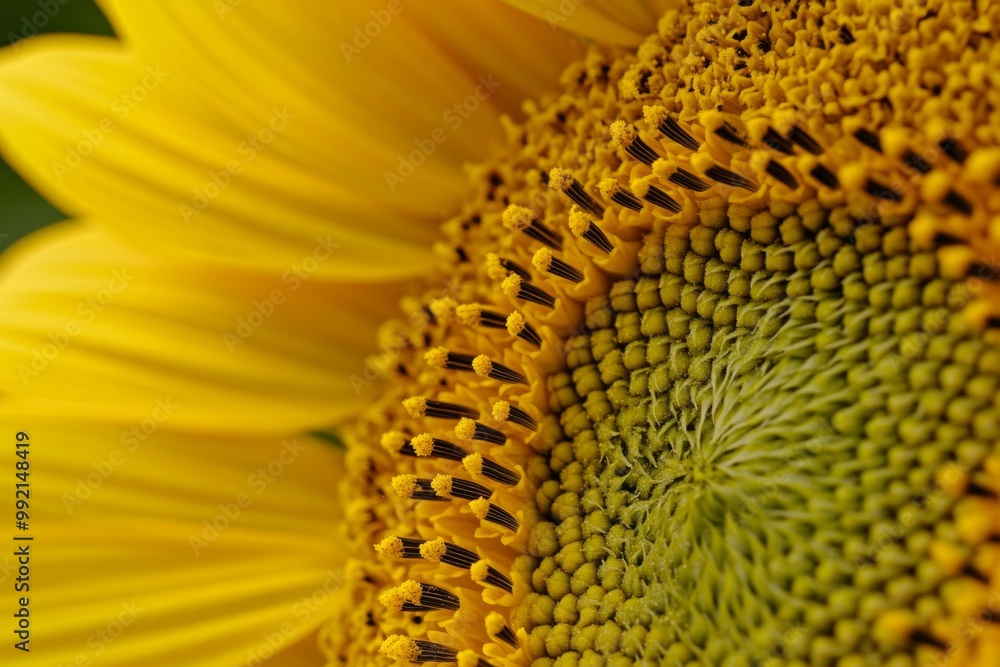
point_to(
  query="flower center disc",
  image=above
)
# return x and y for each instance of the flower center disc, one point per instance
(763, 444)
(709, 373)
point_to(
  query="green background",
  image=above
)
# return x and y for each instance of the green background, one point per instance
(22, 210)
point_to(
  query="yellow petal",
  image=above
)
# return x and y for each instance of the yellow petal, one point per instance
(622, 22)
(239, 136)
(98, 331)
(175, 550)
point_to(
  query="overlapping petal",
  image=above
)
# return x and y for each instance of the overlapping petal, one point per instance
(97, 331)
(622, 22)
(156, 549)
(238, 132)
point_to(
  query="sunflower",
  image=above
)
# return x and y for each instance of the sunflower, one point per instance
(700, 367)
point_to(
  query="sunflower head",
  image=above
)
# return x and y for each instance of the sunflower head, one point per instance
(714, 376)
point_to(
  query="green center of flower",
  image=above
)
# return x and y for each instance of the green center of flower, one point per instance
(760, 447)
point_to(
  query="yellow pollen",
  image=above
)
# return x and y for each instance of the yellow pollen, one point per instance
(495, 623)
(433, 550)
(404, 485)
(511, 286)
(392, 599)
(515, 323)
(759, 160)
(702, 162)
(609, 187)
(560, 179)
(465, 429)
(470, 314)
(393, 441)
(664, 168)
(411, 591)
(479, 507)
(479, 571)
(542, 259)
(501, 410)
(390, 546)
(442, 485)
(579, 223)
(517, 218)
(436, 357)
(622, 134)
(423, 444)
(494, 269)
(473, 464)
(443, 308)
(416, 406)
(467, 658)
(654, 115)
(400, 648)
(482, 365)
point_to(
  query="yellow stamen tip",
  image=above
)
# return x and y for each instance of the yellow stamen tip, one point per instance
(609, 187)
(542, 259)
(517, 218)
(436, 357)
(501, 410)
(853, 176)
(654, 115)
(391, 599)
(515, 323)
(390, 546)
(479, 507)
(433, 550)
(404, 485)
(495, 623)
(579, 223)
(494, 269)
(423, 444)
(511, 285)
(411, 591)
(443, 308)
(783, 120)
(416, 406)
(401, 648)
(479, 571)
(442, 485)
(465, 429)
(702, 162)
(473, 464)
(560, 179)
(759, 161)
(470, 314)
(664, 168)
(393, 441)
(482, 365)
(622, 134)
(467, 658)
